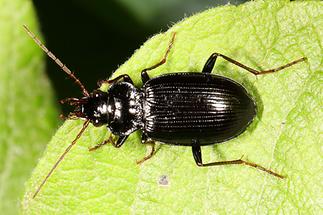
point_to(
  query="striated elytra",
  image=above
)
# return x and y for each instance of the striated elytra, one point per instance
(181, 107)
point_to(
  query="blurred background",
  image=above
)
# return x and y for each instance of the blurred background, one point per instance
(93, 37)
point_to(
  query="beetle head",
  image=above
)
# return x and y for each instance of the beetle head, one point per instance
(93, 107)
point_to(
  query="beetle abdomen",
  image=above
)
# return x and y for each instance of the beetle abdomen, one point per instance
(180, 107)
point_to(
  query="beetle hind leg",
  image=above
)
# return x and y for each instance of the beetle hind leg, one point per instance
(196, 150)
(208, 67)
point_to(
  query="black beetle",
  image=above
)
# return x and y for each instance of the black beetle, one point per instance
(188, 109)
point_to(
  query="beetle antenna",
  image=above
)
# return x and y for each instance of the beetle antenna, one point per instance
(85, 124)
(57, 61)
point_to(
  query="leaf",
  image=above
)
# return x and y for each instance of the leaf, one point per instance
(28, 114)
(285, 137)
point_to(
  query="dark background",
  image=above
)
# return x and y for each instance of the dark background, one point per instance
(93, 37)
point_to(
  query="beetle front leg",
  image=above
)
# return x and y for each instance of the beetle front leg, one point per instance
(125, 78)
(144, 74)
(196, 149)
(208, 67)
(110, 139)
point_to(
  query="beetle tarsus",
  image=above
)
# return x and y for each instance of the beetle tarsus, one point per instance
(125, 78)
(196, 150)
(144, 74)
(109, 140)
(152, 152)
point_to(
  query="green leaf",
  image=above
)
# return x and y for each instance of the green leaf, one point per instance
(285, 137)
(28, 114)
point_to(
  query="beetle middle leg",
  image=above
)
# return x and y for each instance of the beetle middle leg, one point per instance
(144, 74)
(196, 149)
(211, 61)
(146, 140)
(147, 157)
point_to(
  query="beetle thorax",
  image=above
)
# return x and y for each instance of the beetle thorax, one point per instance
(125, 108)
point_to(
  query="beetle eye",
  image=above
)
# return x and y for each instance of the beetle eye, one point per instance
(96, 122)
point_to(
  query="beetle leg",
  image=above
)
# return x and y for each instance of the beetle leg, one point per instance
(196, 149)
(120, 141)
(110, 139)
(99, 145)
(125, 78)
(144, 74)
(152, 152)
(211, 61)
(146, 140)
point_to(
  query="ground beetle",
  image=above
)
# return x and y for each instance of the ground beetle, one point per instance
(188, 109)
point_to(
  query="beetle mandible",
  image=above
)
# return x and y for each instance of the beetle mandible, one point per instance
(188, 108)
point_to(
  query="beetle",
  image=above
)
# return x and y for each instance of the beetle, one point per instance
(191, 109)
